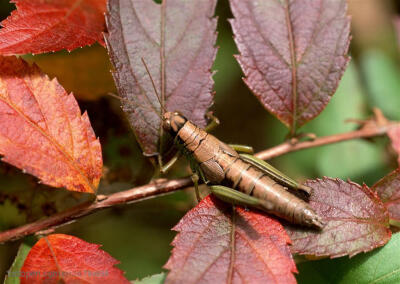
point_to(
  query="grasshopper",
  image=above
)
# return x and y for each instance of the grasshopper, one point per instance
(236, 178)
(239, 178)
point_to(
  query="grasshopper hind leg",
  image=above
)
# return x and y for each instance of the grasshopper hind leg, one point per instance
(276, 175)
(235, 197)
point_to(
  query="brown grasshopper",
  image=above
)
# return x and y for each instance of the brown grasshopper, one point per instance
(239, 178)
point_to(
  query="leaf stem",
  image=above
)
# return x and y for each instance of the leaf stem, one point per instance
(370, 128)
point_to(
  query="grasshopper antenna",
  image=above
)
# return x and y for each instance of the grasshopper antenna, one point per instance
(154, 86)
(123, 100)
(114, 96)
(163, 111)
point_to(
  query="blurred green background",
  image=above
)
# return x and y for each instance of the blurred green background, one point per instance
(138, 235)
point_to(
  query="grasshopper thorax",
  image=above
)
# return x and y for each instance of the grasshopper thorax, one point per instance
(173, 122)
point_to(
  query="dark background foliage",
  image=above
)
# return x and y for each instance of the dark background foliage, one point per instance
(139, 235)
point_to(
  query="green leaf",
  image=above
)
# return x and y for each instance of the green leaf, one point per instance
(347, 103)
(349, 159)
(379, 266)
(352, 158)
(13, 273)
(382, 79)
(153, 279)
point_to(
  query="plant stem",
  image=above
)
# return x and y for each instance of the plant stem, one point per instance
(288, 146)
(157, 188)
(154, 189)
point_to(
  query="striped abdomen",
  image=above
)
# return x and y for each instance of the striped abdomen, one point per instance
(277, 200)
(222, 165)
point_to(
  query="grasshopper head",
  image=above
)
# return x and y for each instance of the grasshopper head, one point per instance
(173, 122)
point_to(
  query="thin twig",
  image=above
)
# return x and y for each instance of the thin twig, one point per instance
(376, 126)
(147, 191)
(288, 146)
(370, 128)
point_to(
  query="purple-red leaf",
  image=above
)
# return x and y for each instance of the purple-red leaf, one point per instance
(293, 53)
(388, 189)
(39, 26)
(394, 135)
(176, 39)
(356, 220)
(219, 244)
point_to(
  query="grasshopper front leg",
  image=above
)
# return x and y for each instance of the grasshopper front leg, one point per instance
(195, 179)
(164, 168)
(214, 122)
(235, 197)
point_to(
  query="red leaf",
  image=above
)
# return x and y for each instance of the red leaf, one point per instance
(216, 245)
(357, 220)
(394, 135)
(293, 53)
(179, 60)
(39, 26)
(42, 130)
(388, 189)
(66, 259)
